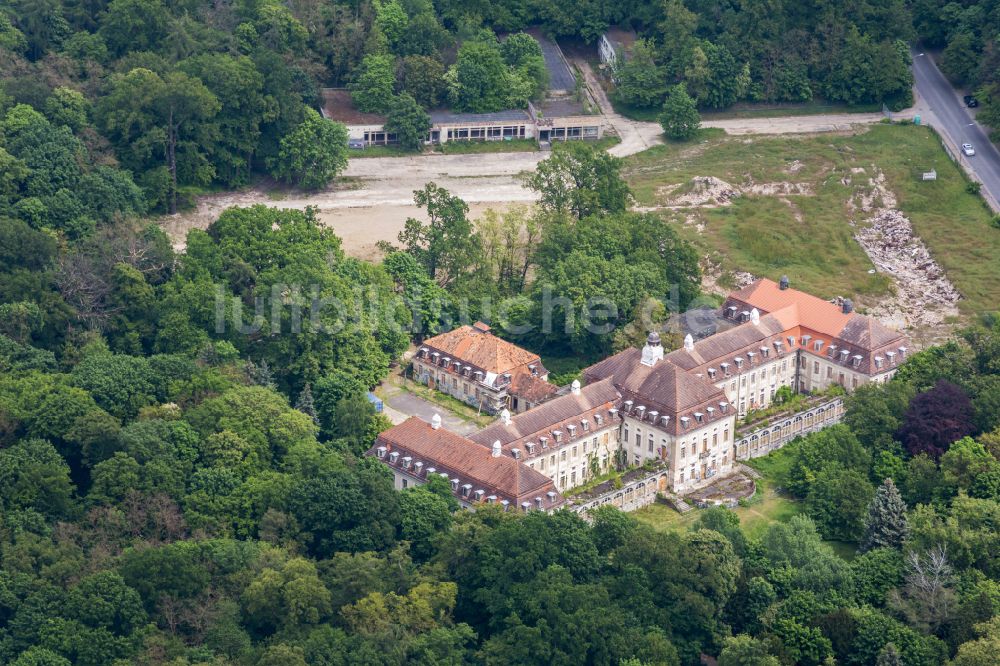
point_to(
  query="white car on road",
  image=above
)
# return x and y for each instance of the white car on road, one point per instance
(968, 149)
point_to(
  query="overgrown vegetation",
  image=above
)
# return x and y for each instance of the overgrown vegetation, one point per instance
(754, 233)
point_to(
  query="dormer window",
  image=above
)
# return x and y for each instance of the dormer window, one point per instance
(731, 312)
(892, 357)
(878, 362)
(805, 340)
(818, 345)
(531, 448)
(745, 316)
(585, 424)
(505, 504)
(418, 467)
(777, 345)
(393, 457)
(711, 411)
(739, 362)
(406, 462)
(613, 412)
(699, 417)
(468, 371)
(479, 495)
(599, 419)
(544, 442)
(857, 360)
(572, 430)
(446, 361)
(628, 406)
(791, 342)
(380, 452)
(516, 453)
(664, 420)
(765, 352)
(711, 373)
(723, 406)
(551, 495)
(902, 352)
(844, 354)
(492, 499)
(640, 410)
(832, 350)
(652, 416)
(557, 435)
(750, 356)
(432, 470)
(525, 506)
(538, 502)
(466, 489)
(725, 368)
(454, 485)
(684, 421)
(435, 356)
(423, 352)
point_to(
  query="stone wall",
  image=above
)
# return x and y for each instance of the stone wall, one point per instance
(784, 429)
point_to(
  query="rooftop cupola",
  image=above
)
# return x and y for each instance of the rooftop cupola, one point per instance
(505, 417)
(497, 449)
(436, 421)
(755, 317)
(575, 387)
(652, 353)
(688, 343)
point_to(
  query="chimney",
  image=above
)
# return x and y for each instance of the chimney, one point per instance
(436, 421)
(847, 306)
(783, 283)
(497, 449)
(575, 387)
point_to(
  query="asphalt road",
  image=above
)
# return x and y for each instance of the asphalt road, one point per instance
(957, 123)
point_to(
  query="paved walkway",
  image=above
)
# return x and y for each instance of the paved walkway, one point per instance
(400, 404)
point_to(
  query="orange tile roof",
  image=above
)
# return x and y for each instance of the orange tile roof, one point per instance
(477, 346)
(813, 312)
(461, 458)
(532, 389)
(556, 414)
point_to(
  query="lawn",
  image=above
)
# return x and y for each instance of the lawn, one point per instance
(767, 507)
(809, 236)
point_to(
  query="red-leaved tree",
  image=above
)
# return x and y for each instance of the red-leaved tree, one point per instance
(935, 419)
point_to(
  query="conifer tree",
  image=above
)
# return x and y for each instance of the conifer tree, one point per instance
(305, 404)
(885, 526)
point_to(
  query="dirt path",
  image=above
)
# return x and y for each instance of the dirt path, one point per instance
(375, 195)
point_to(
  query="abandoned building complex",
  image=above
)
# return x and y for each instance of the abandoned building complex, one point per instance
(678, 408)
(561, 116)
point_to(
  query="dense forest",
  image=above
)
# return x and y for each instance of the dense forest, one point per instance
(147, 103)
(179, 489)
(181, 434)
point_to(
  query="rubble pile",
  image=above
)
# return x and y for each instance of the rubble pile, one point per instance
(706, 191)
(925, 296)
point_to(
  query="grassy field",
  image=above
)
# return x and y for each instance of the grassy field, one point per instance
(767, 507)
(808, 236)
